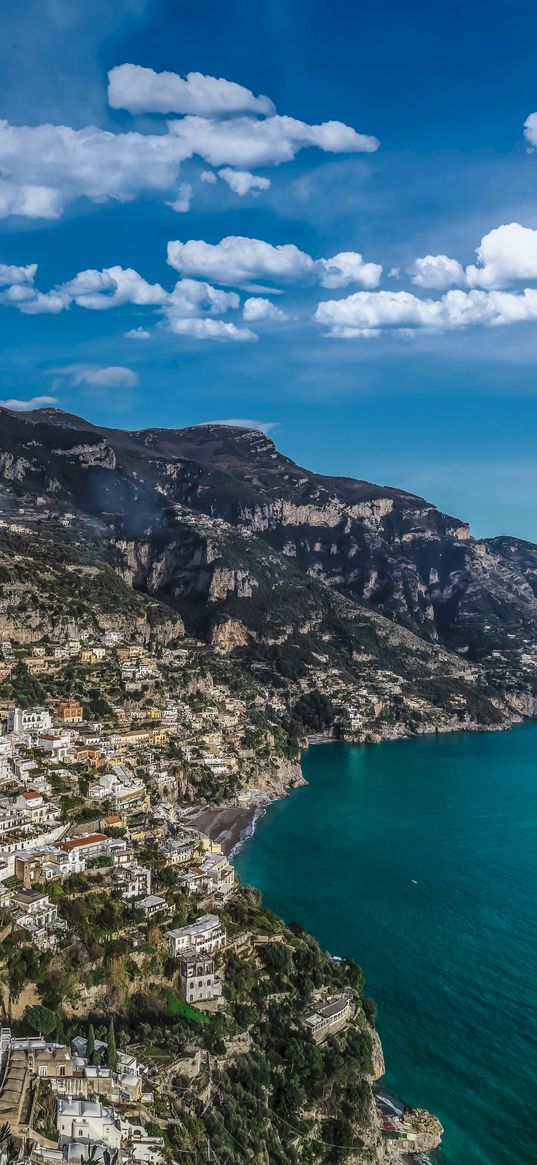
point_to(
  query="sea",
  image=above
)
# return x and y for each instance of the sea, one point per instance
(418, 858)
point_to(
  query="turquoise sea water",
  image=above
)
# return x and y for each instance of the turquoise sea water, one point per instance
(451, 960)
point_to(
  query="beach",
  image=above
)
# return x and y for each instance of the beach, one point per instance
(229, 825)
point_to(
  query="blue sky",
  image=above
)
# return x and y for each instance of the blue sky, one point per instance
(343, 250)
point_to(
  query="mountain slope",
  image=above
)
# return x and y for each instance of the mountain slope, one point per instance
(291, 572)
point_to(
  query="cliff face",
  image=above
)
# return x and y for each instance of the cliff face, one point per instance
(267, 560)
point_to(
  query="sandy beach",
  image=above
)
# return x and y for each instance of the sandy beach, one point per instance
(227, 824)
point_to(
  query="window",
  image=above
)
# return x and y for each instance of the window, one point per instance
(62, 1071)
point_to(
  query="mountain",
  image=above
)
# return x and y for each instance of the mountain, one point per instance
(366, 594)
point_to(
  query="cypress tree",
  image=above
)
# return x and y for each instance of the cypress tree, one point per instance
(112, 1050)
(90, 1050)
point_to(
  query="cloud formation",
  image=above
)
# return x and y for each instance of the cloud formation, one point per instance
(209, 329)
(242, 262)
(14, 276)
(348, 267)
(44, 168)
(91, 376)
(141, 90)
(111, 287)
(366, 313)
(26, 406)
(189, 300)
(530, 130)
(243, 182)
(505, 256)
(257, 308)
(183, 198)
(436, 271)
(248, 143)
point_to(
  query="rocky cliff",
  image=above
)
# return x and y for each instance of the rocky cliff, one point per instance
(283, 569)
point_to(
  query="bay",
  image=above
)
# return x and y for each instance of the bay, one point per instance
(419, 859)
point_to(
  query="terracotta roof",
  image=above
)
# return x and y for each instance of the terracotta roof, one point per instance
(76, 842)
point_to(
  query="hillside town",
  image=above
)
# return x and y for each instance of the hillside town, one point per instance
(135, 970)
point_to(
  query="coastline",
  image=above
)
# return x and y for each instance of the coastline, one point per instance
(506, 742)
(232, 825)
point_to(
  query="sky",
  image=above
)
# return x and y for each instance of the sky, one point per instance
(318, 218)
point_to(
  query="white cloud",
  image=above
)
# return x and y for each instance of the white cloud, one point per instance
(209, 329)
(141, 90)
(248, 143)
(505, 256)
(114, 376)
(240, 261)
(27, 199)
(367, 312)
(45, 167)
(15, 275)
(242, 182)
(530, 130)
(25, 406)
(242, 423)
(190, 297)
(21, 293)
(28, 300)
(256, 308)
(112, 287)
(348, 267)
(436, 271)
(181, 202)
(209, 176)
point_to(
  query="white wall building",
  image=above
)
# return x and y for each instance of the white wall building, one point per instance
(87, 1120)
(28, 720)
(205, 935)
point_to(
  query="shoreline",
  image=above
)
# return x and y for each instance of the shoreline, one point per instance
(232, 825)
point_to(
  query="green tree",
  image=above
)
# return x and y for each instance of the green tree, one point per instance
(41, 1018)
(90, 1050)
(355, 975)
(112, 1050)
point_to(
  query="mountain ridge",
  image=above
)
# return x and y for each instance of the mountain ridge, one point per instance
(278, 566)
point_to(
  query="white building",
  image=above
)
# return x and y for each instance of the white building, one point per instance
(87, 1121)
(80, 850)
(206, 935)
(36, 915)
(30, 721)
(135, 881)
(57, 743)
(119, 788)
